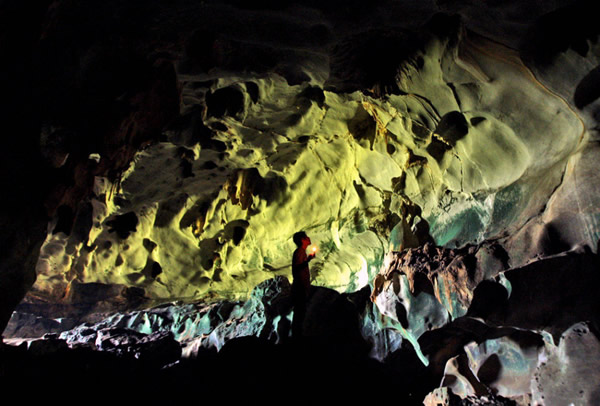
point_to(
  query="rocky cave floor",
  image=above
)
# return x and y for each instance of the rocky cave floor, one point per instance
(322, 365)
(329, 359)
(246, 347)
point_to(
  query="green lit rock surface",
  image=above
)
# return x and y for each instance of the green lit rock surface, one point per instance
(265, 314)
(216, 203)
(441, 155)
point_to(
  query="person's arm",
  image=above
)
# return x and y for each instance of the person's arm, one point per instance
(301, 259)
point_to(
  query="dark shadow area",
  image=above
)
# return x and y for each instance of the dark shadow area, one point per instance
(329, 359)
(490, 370)
(363, 127)
(401, 314)
(352, 66)
(168, 209)
(64, 220)
(437, 149)
(405, 366)
(552, 240)
(488, 297)
(227, 101)
(452, 127)
(588, 89)
(552, 294)
(123, 224)
(569, 27)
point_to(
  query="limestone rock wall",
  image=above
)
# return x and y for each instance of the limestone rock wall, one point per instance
(439, 154)
(452, 148)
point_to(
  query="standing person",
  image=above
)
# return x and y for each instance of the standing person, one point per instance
(301, 282)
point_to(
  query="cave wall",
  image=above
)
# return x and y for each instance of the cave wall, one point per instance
(175, 155)
(276, 134)
(161, 151)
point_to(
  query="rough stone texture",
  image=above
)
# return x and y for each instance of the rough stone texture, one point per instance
(450, 275)
(489, 362)
(203, 325)
(439, 129)
(569, 372)
(506, 364)
(477, 358)
(441, 153)
(333, 350)
(445, 397)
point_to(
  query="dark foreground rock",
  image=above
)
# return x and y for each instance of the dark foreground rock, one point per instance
(331, 357)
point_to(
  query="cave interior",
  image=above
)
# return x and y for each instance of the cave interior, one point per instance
(159, 157)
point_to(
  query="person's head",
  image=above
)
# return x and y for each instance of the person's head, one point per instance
(301, 239)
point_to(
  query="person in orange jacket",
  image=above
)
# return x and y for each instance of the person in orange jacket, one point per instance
(301, 280)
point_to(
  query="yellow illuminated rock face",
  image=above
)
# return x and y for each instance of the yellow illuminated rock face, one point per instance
(442, 156)
(458, 148)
